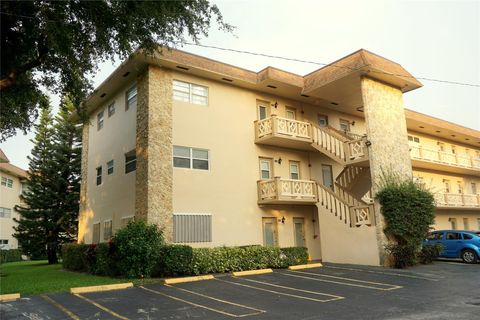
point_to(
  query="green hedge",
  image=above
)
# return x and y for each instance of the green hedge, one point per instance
(182, 260)
(178, 260)
(11, 255)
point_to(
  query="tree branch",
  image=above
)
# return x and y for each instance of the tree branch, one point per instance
(12, 76)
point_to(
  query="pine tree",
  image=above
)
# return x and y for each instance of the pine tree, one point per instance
(49, 218)
(31, 231)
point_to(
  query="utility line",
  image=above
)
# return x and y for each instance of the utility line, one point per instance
(287, 58)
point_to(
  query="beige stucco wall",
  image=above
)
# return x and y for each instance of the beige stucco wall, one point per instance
(442, 219)
(9, 198)
(115, 197)
(430, 142)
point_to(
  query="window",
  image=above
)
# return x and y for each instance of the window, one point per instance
(111, 109)
(459, 187)
(5, 212)
(322, 120)
(453, 236)
(131, 98)
(124, 221)
(327, 176)
(413, 139)
(294, 170)
(435, 236)
(107, 230)
(474, 187)
(96, 233)
(262, 112)
(4, 241)
(266, 169)
(100, 120)
(453, 223)
(7, 182)
(99, 176)
(291, 113)
(130, 161)
(192, 227)
(189, 92)
(190, 158)
(110, 167)
(467, 236)
(453, 148)
(466, 224)
(446, 183)
(345, 125)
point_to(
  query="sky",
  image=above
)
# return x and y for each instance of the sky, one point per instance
(430, 39)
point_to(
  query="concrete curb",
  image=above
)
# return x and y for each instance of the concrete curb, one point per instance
(188, 279)
(305, 266)
(107, 287)
(251, 272)
(9, 297)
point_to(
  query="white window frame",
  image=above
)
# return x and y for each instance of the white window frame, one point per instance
(413, 139)
(111, 109)
(297, 164)
(259, 108)
(110, 165)
(292, 112)
(99, 176)
(191, 158)
(269, 162)
(100, 120)
(7, 182)
(4, 211)
(343, 122)
(105, 229)
(324, 118)
(129, 99)
(122, 220)
(128, 154)
(99, 231)
(181, 88)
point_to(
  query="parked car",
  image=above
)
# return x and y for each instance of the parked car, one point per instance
(456, 244)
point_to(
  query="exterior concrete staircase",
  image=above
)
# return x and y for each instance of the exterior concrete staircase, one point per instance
(339, 147)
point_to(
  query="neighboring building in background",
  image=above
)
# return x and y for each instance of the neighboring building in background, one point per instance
(219, 155)
(11, 187)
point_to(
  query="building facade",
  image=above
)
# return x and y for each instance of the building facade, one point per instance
(218, 155)
(11, 187)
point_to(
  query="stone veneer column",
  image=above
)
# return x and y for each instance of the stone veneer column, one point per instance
(153, 186)
(83, 207)
(387, 132)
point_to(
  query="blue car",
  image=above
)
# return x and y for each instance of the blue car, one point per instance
(456, 244)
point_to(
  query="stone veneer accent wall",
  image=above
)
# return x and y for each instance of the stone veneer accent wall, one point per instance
(154, 174)
(387, 131)
(82, 216)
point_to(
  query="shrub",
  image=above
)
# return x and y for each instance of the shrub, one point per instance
(137, 249)
(408, 209)
(10, 255)
(175, 260)
(430, 253)
(104, 260)
(294, 255)
(74, 257)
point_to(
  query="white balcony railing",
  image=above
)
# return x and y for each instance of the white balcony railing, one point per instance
(279, 190)
(458, 200)
(442, 157)
(290, 128)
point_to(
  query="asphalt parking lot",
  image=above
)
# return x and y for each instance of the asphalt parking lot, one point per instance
(444, 290)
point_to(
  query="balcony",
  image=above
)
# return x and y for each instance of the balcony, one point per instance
(283, 132)
(439, 160)
(457, 201)
(287, 191)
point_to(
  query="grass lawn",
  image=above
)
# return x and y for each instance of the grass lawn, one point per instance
(35, 277)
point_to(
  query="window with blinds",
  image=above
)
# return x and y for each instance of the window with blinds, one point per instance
(192, 227)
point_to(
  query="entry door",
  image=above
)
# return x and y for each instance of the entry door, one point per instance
(327, 176)
(270, 233)
(299, 230)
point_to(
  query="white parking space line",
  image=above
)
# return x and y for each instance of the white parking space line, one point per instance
(346, 281)
(332, 297)
(386, 273)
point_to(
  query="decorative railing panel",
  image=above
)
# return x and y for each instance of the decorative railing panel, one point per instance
(457, 200)
(451, 159)
(283, 127)
(278, 189)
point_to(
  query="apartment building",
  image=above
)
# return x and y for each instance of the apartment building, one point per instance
(11, 187)
(219, 155)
